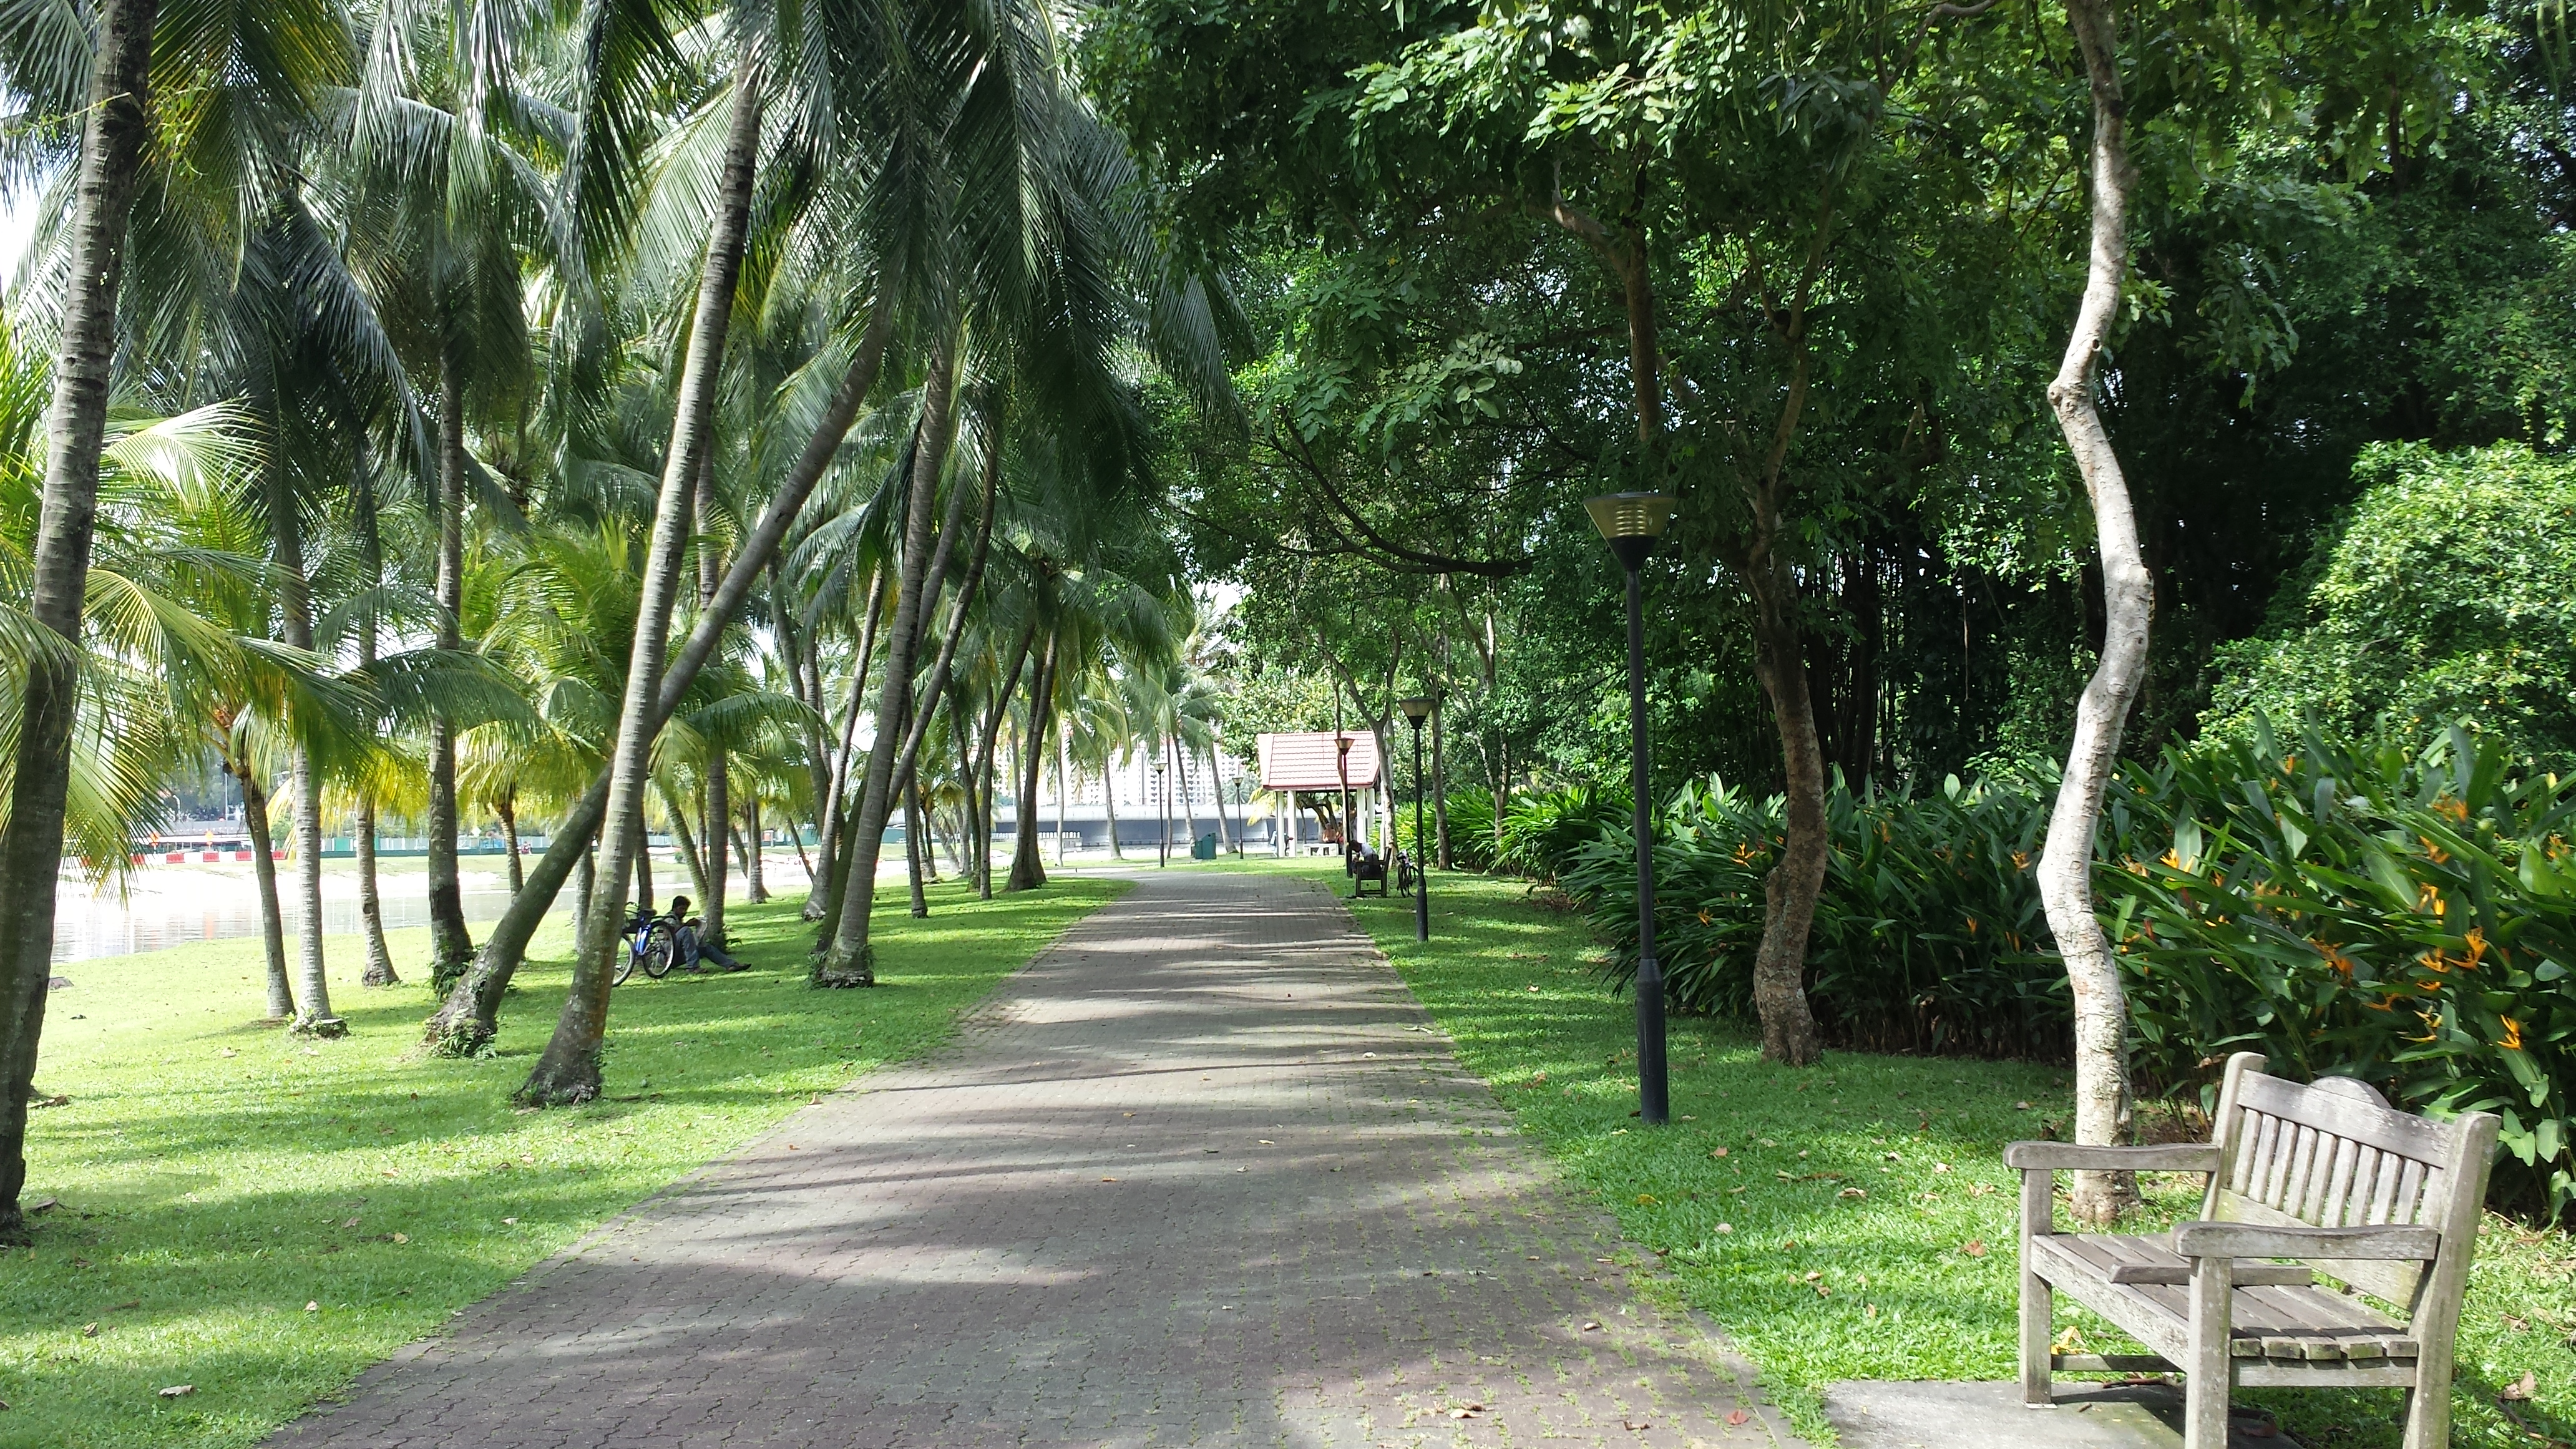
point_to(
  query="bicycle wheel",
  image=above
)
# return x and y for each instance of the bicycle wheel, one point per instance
(657, 951)
(625, 964)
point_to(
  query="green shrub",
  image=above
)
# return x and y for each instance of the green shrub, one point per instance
(2370, 910)
(1928, 934)
(1544, 828)
(1471, 827)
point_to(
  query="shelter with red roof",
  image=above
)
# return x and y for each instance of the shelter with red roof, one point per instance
(1312, 771)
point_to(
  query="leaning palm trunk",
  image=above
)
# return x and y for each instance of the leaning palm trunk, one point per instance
(822, 891)
(31, 841)
(1028, 872)
(2128, 598)
(272, 917)
(451, 945)
(568, 1071)
(851, 960)
(465, 1024)
(1023, 827)
(371, 901)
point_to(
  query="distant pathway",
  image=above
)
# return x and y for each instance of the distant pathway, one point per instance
(1204, 1173)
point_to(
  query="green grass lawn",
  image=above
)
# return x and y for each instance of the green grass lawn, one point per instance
(1855, 1220)
(262, 1216)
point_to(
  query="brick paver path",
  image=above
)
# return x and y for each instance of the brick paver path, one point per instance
(1204, 1173)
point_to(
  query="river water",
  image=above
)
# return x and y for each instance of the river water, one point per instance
(166, 904)
(87, 924)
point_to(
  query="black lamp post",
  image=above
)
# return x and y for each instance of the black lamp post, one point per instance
(1342, 766)
(1418, 709)
(1632, 522)
(1164, 797)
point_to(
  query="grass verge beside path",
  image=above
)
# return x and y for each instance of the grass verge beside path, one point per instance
(261, 1216)
(1855, 1220)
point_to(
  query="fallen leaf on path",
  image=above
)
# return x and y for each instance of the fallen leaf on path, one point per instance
(1974, 1247)
(312, 1306)
(2520, 1389)
(2021, 1106)
(178, 1391)
(509, 1222)
(1852, 1192)
(1720, 1152)
(1637, 1426)
(1726, 1227)
(89, 1330)
(1591, 1327)
(1108, 1179)
(1737, 1418)
(1940, 1167)
(402, 1237)
(351, 1223)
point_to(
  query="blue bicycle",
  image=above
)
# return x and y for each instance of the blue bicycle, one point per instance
(649, 943)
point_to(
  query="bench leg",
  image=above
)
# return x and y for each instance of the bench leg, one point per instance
(2428, 1404)
(2036, 1386)
(2036, 1298)
(2204, 1423)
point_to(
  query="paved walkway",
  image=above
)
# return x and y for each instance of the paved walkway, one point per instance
(1204, 1173)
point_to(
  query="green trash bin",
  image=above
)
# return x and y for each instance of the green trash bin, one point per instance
(1203, 848)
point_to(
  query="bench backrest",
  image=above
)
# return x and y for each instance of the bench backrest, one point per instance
(2335, 1154)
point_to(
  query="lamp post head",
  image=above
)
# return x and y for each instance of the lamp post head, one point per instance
(1416, 709)
(1631, 522)
(1342, 745)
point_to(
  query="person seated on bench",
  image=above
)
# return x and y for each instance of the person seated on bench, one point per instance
(1367, 865)
(688, 947)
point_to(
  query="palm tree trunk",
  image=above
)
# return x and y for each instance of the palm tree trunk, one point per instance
(1109, 807)
(507, 807)
(568, 1071)
(823, 891)
(916, 860)
(851, 960)
(748, 843)
(686, 842)
(1225, 826)
(585, 879)
(466, 1021)
(1028, 872)
(113, 130)
(643, 868)
(1063, 778)
(2102, 1103)
(371, 904)
(371, 901)
(295, 609)
(1023, 828)
(272, 917)
(718, 804)
(451, 946)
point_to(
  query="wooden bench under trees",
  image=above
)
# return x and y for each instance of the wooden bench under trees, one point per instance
(2329, 1175)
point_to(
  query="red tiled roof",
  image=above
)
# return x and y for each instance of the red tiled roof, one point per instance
(1306, 761)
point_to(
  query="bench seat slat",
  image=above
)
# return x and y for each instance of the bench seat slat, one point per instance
(2128, 1279)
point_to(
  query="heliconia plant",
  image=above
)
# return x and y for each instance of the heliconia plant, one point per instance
(2406, 916)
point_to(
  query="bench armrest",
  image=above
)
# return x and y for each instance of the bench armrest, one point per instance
(2170, 1157)
(2254, 1240)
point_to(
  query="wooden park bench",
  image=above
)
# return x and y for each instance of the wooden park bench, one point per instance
(2330, 1175)
(1365, 865)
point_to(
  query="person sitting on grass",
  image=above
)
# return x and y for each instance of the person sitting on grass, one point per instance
(688, 947)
